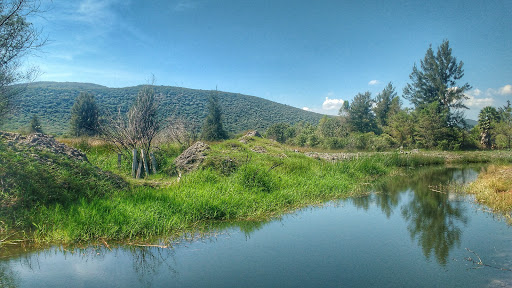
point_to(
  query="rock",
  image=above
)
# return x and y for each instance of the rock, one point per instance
(42, 142)
(244, 139)
(191, 158)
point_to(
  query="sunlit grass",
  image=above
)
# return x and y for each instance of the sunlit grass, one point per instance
(256, 180)
(493, 188)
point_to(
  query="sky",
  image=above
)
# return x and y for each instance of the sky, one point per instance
(308, 54)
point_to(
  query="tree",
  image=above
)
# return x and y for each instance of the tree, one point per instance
(143, 122)
(487, 119)
(138, 128)
(279, 132)
(504, 127)
(360, 116)
(35, 125)
(437, 81)
(384, 104)
(84, 115)
(18, 38)
(212, 128)
(401, 127)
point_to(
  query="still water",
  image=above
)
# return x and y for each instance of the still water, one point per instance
(403, 235)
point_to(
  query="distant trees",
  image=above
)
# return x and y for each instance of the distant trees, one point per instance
(212, 129)
(84, 115)
(18, 37)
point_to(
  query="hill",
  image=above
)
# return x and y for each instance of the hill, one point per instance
(52, 102)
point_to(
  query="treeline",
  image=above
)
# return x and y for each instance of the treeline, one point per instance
(435, 122)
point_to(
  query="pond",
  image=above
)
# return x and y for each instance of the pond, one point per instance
(402, 235)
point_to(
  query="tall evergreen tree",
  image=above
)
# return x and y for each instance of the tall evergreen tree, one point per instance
(84, 115)
(437, 80)
(212, 128)
(435, 84)
(384, 104)
(360, 116)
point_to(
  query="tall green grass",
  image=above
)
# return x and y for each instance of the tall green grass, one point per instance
(234, 183)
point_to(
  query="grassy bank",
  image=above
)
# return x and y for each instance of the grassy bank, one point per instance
(493, 188)
(255, 180)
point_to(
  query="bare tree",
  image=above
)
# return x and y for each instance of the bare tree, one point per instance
(18, 38)
(138, 128)
(179, 131)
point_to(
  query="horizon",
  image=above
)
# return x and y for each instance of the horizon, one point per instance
(308, 56)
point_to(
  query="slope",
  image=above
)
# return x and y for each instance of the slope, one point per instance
(52, 102)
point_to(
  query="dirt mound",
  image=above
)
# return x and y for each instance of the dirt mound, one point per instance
(190, 159)
(249, 135)
(41, 142)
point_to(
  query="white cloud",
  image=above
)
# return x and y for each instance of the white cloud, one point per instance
(505, 90)
(479, 103)
(306, 108)
(184, 5)
(373, 82)
(332, 104)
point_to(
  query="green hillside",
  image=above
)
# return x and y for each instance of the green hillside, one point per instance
(52, 102)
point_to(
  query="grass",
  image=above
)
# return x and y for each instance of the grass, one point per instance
(257, 180)
(493, 188)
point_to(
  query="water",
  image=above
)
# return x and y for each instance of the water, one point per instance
(404, 235)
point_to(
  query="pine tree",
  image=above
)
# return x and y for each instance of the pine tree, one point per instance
(436, 80)
(212, 128)
(383, 104)
(84, 115)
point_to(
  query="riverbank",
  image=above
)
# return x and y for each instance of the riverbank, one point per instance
(254, 179)
(493, 188)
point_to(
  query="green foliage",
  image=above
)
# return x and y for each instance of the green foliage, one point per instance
(360, 116)
(487, 119)
(18, 37)
(35, 125)
(52, 101)
(386, 105)
(213, 129)
(256, 178)
(84, 115)
(31, 178)
(280, 132)
(436, 81)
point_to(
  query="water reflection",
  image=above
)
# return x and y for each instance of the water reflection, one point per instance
(8, 278)
(433, 219)
(341, 241)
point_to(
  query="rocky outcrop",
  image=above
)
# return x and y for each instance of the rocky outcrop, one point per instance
(248, 136)
(191, 158)
(43, 143)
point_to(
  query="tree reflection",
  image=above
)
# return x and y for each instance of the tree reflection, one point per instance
(432, 219)
(8, 278)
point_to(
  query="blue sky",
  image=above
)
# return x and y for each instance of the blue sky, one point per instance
(313, 54)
